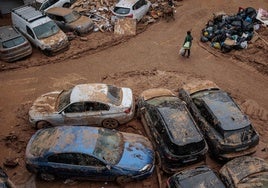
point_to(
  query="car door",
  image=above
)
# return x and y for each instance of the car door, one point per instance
(96, 112)
(75, 114)
(77, 165)
(59, 20)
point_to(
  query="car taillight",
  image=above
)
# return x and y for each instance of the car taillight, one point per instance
(127, 111)
(130, 16)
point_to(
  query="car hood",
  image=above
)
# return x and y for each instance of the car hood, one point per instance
(81, 22)
(247, 166)
(138, 152)
(55, 40)
(45, 104)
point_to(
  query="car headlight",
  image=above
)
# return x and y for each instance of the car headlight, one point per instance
(146, 168)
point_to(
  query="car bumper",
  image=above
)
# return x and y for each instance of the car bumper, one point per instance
(144, 175)
(229, 156)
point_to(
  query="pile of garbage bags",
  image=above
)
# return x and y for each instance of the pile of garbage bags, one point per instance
(228, 32)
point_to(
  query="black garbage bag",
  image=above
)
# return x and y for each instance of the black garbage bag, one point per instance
(247, 26)
(251, 12)
(203, 39)
(226, 48)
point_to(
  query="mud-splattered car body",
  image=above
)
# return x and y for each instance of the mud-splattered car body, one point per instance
(228, 131)
(84, 104)
(172, 129)
(199, 177)
(70, 20)
(245, 172)
(91, 153)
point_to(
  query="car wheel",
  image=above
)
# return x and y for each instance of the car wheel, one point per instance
(47, 177)
(66, 5)
(110, 123)
(121, 180)
(42, 124)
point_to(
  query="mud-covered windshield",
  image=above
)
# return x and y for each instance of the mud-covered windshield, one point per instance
(72, 17)
(109, 146)
(46, 30)
(114, 94)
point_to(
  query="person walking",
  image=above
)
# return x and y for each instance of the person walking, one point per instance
(187, 44)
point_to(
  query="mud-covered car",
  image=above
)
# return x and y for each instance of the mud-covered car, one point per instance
(13, 45)
(84, 104)
(70, 20)
(89, 153)
(199, 177)
(246, 172)
(170, 126)
(228, 131)
(134, 9)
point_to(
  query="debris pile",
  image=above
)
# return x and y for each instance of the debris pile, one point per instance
(100, 12)
(228, 32)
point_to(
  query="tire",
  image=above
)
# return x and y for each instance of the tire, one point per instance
(121, 180)
(110, 123)
(66, 5)
(47, 177)
(42, 125)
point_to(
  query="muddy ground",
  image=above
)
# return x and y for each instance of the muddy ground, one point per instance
(148, 60)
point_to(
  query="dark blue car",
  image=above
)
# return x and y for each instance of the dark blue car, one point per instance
(90, 153)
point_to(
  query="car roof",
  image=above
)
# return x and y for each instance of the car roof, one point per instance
(7, 33)
(200, 85)
(225, 110)
(156, 92)
(90, 92)
(126, 3)
(60, 11)
(179, 124)
(64, 139)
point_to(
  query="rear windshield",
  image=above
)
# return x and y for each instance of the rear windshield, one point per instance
(46, 30)
(114, 94)
(69, 18)
(121, 10)
(13, 42)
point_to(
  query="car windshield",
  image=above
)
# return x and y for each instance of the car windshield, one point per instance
(163, 101)
(255, 180)
(121, 10)
(206, 179)
(13, 42)
(64, 99)
(46, 30)
(69, 18)
(114, 94)
(109, 146)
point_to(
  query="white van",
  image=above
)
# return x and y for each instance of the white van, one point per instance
(44, 5)
(40, 30)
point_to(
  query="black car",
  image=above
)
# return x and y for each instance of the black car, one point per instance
(228, 130)
(172, 130)
(245, 172)
(199, 177)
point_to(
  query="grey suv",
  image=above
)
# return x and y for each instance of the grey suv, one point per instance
(13, 45)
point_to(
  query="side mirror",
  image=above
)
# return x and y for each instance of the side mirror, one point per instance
(63, 113)
(108, 167)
